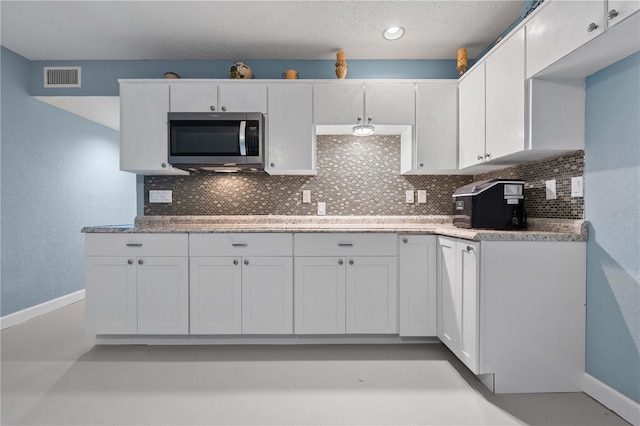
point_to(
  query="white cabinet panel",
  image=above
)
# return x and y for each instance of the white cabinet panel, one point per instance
(319, 291)
(194, 96)
(467, 270)
(143, 129)
(338, 103)
(371, 290)
(215, 295)
(242, 97)
(560, 28)
(390, 103)
(111, 295)
(267, 295)
(136, 244)
(448, 293)
(471, 95)
(345, 244)
(417, 282)
(619, 10)
(163, 290)
(291, 145)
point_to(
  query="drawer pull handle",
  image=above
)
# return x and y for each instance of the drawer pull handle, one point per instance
(239, 244)
(345, 244)
(134, 245)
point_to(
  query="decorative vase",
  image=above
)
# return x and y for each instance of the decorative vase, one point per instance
(462, 60)
(341, 65)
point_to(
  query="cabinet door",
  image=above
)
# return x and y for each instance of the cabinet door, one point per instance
(111, 295)
(472, 117)
(143, 129)
(371, 295)
(242, 97)
(319, 291)
(560, 28)
(467, 276)
(448, 294)
(505, 98)
(436, 127)
(338, 103)
(193, 96)
(619, 10)
(390, 103)
(163, 295)
(215, 295)
(417, 285)
(267, 295)
(291, 144)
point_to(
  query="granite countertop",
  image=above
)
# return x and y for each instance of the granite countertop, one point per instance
(539, 229)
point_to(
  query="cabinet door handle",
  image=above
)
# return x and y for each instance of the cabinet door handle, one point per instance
(480, 157)
(345, 244)
(421, 164)
(612, 13)
(224, 108)
(246, 261)
(273, 165)
(212, 108)
(340, 262)
(487, 155)
(351, 262)
(592, 26)
(239, 244)
(405, 240)
(140, 262)
(134, 245)
(469, 248)
(235, 262)
(130, 261)
(164, 165)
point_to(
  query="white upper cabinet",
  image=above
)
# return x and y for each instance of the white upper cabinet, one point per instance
(337, 103)
(471, 95)
(619, 10)
(344, 103)
(435, 147)
(560, 28)
(291, 147)
(505, 98)
(207, 96)
(143, 128)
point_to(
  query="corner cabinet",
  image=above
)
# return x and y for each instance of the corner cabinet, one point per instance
(143, 128)
(137, 283)
(291, 140)
(514, 311)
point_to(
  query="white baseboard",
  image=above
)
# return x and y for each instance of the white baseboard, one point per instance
(622, 405)
(41, 309)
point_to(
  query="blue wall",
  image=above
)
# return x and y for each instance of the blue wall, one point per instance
(59, 172)
(612, 201)
(100, 78)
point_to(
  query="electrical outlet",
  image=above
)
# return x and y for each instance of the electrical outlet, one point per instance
(160, 196)
(409, 197)
(322, 208)
(551, 189)
(306, 196)
(422, 195)
(577, 186)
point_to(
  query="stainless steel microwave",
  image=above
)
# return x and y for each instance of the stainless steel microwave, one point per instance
(216, 141)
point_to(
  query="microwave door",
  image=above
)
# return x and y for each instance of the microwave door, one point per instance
(200, 142)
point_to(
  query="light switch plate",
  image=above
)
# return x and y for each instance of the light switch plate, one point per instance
(422, 195)
(577, 186)
(551, 189)
(409, 197)
(160, 196)
(306, 196)
(322, 208)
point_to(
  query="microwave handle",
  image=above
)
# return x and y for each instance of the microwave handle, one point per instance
(243, 146)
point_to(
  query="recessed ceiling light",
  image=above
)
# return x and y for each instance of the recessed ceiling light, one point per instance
(393, 33)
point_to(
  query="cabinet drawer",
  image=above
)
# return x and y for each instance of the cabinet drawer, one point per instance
(132, 244)
(345, 244)
(241, 244)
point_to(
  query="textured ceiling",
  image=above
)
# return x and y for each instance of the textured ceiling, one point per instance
(130, 30)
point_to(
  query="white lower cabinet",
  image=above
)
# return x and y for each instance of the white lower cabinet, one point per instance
(345, 283)
(417, 282)
(136, 283)
(241, 283)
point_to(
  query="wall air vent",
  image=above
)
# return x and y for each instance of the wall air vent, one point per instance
(62, 77)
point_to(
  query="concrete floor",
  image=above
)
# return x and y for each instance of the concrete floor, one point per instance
(53, 374)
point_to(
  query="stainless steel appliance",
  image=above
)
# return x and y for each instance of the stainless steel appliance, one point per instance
(216, 141)
(490, 204)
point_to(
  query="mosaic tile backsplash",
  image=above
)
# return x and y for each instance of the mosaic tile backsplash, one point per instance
(356, 177)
